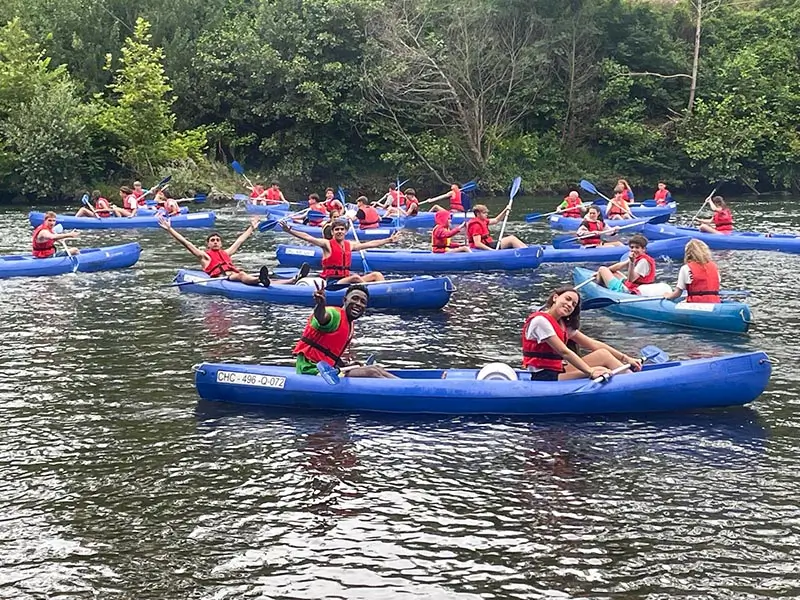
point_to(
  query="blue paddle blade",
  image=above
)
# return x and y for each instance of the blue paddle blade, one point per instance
(589, 187)
(531, 217)
(58, 228)
(340, 194)
(515, 187)
(268, 225)
(85, 200)
(200, 198)
(328, 373)
(466, 201)
(315, 215)
(241, 197)
(654, 354)
(469, 186)
(237, 167)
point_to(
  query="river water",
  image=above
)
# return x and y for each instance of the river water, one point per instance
(117, 482)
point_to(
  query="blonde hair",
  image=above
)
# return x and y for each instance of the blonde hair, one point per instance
(50, 215)
(696, 251)
(481, 208)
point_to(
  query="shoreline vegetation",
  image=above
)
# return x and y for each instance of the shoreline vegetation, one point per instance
(358, 92)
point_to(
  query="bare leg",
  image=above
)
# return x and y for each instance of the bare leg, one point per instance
(612, 244)
(244, 278)
(373, 371)
(598, 358)
(459, 249)
(512, 241)
(121, 212)
(374, 276)
(84, 212)
(436, 208)
(614, 217)
(606, 276)
(707, 229)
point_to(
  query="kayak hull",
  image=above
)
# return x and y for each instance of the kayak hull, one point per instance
(423, 261)
(737, 240)
(675, 386)
(364, 235)
(199, 219)
(660, 250)
(88, 259)
(425, 220)
(417, 293)
(657, 215)
(266, 209)
(727, 316)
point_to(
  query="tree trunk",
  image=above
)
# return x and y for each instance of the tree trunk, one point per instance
(696, 61)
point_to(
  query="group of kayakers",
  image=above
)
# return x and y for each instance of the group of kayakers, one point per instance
(132, 200)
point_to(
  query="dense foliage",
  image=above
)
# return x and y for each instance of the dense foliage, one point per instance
(357, 91)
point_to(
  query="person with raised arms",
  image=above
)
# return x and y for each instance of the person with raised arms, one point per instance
(592, 226)
(43, 242)
(627, 192)
(572, 206)
(478, 231)
(662, 195)
(442, 235)
(102, 207)
(546, 333)
(722, 221)
(337, 253)
(368, 217)
(639, 269)
(698, 277)
(328, 333)
(454, 195)
(217, 262)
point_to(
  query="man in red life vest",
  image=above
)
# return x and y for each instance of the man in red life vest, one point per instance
(454, 195)
(337, 253)
(640, 269)
(442, 234)
(478, 231)
(332, 202)
(662, 195)
(328, 334)
(217, 262)
(44, 239)
(394, 198)
(102, 207)
(314, 205)
(722, 221)
(572, 206)
(139, 193)
(274, 194)
(411, 207)
(368, 217)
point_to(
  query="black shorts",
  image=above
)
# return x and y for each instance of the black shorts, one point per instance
(545, 375)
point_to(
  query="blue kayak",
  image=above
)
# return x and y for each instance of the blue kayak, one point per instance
(736, 240)
(198, 219)
(416, 293)
(423, 261)
(425, 220)
(644, 210)
(574, 252)
(562, 223)
(266, 209)
(672, 386)
(88, 260)
(729, 316)
(149, 212)
(364, 235)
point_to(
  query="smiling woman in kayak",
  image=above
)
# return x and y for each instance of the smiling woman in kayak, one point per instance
(544, 343)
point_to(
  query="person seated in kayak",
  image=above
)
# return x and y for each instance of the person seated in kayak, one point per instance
(327, 226)
(328, 333)
(547, 332)
(274, 195)
(314, 205)
(130, 204)
(410, 209)
(626, 276)
(337, 253)
(102, 207)
(662, 195)
(368, 217)
(454, 195)
(572, 206)
(44, 239)
(618, 206)
(332, 202)
(393, 199)
(478, 231)
(627, 192)
(257, 194)
(217, 263)
(590, 230)
(167, 204)
(698, 277)
(722, 221)
(139, 193)
(442, 234)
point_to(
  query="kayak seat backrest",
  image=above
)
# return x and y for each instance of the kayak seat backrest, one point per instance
(472, 374)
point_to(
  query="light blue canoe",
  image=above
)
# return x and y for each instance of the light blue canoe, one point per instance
(728, 316)
(198, 219)
(736, 240)
(672, 386)
(88, 260)
(657, 215)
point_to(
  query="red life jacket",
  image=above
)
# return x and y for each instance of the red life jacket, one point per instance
(141, 200)
(705, 283)
(130, 202)
(627, 195)
(442, 239)
(258, 192)
(318, 207)
(649, 278)
(371, 218)
(398, 199)
(455, 201)
(45, 248)
(171, 207)
(102, 207)
(329, 347)
(661, 197)
(572, 209)
(412, 206)
(723, 220)
(273, 195)
(541, 355)
(220, 263)
(594, 240)
(337, 265)
(334, 204)
(613, 209)
(481, 228)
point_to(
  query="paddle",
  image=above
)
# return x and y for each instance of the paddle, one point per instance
(639, 222)
(159, 186)
(363, 254)
(240, 170)
(271, 222)
(604, 302)
(59, 228)
(467, 187)
(703, 205)
(331, 374)
(589, 187)
(531, 217)
(514, 189)
(85, 201)
(653, 354)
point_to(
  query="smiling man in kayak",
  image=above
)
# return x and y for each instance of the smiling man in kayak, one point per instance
(217, 263)
(478, 231)
(44, 239)
(328, 334)
(337, 253)
(639, 267)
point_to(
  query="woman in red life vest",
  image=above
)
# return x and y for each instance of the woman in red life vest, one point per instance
(639, 269)
(337, 253)
(544, 343)
(722, 221)
(44, 240)
(442, 234)
(257, 194)
(217, 262)
(274, 195)
(102, 207)
(478, 231)
(698, 277)
(572, 206)
(662, 195)
(328, 333)
(332, 202)
(166, 204)
(618, 206)
(368, 217)
(592, 228)
(454, 195)
(625, 187)
(130, 204)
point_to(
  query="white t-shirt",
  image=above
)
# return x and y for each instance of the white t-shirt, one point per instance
(539, 329)
(684, 277)
(642, 268)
